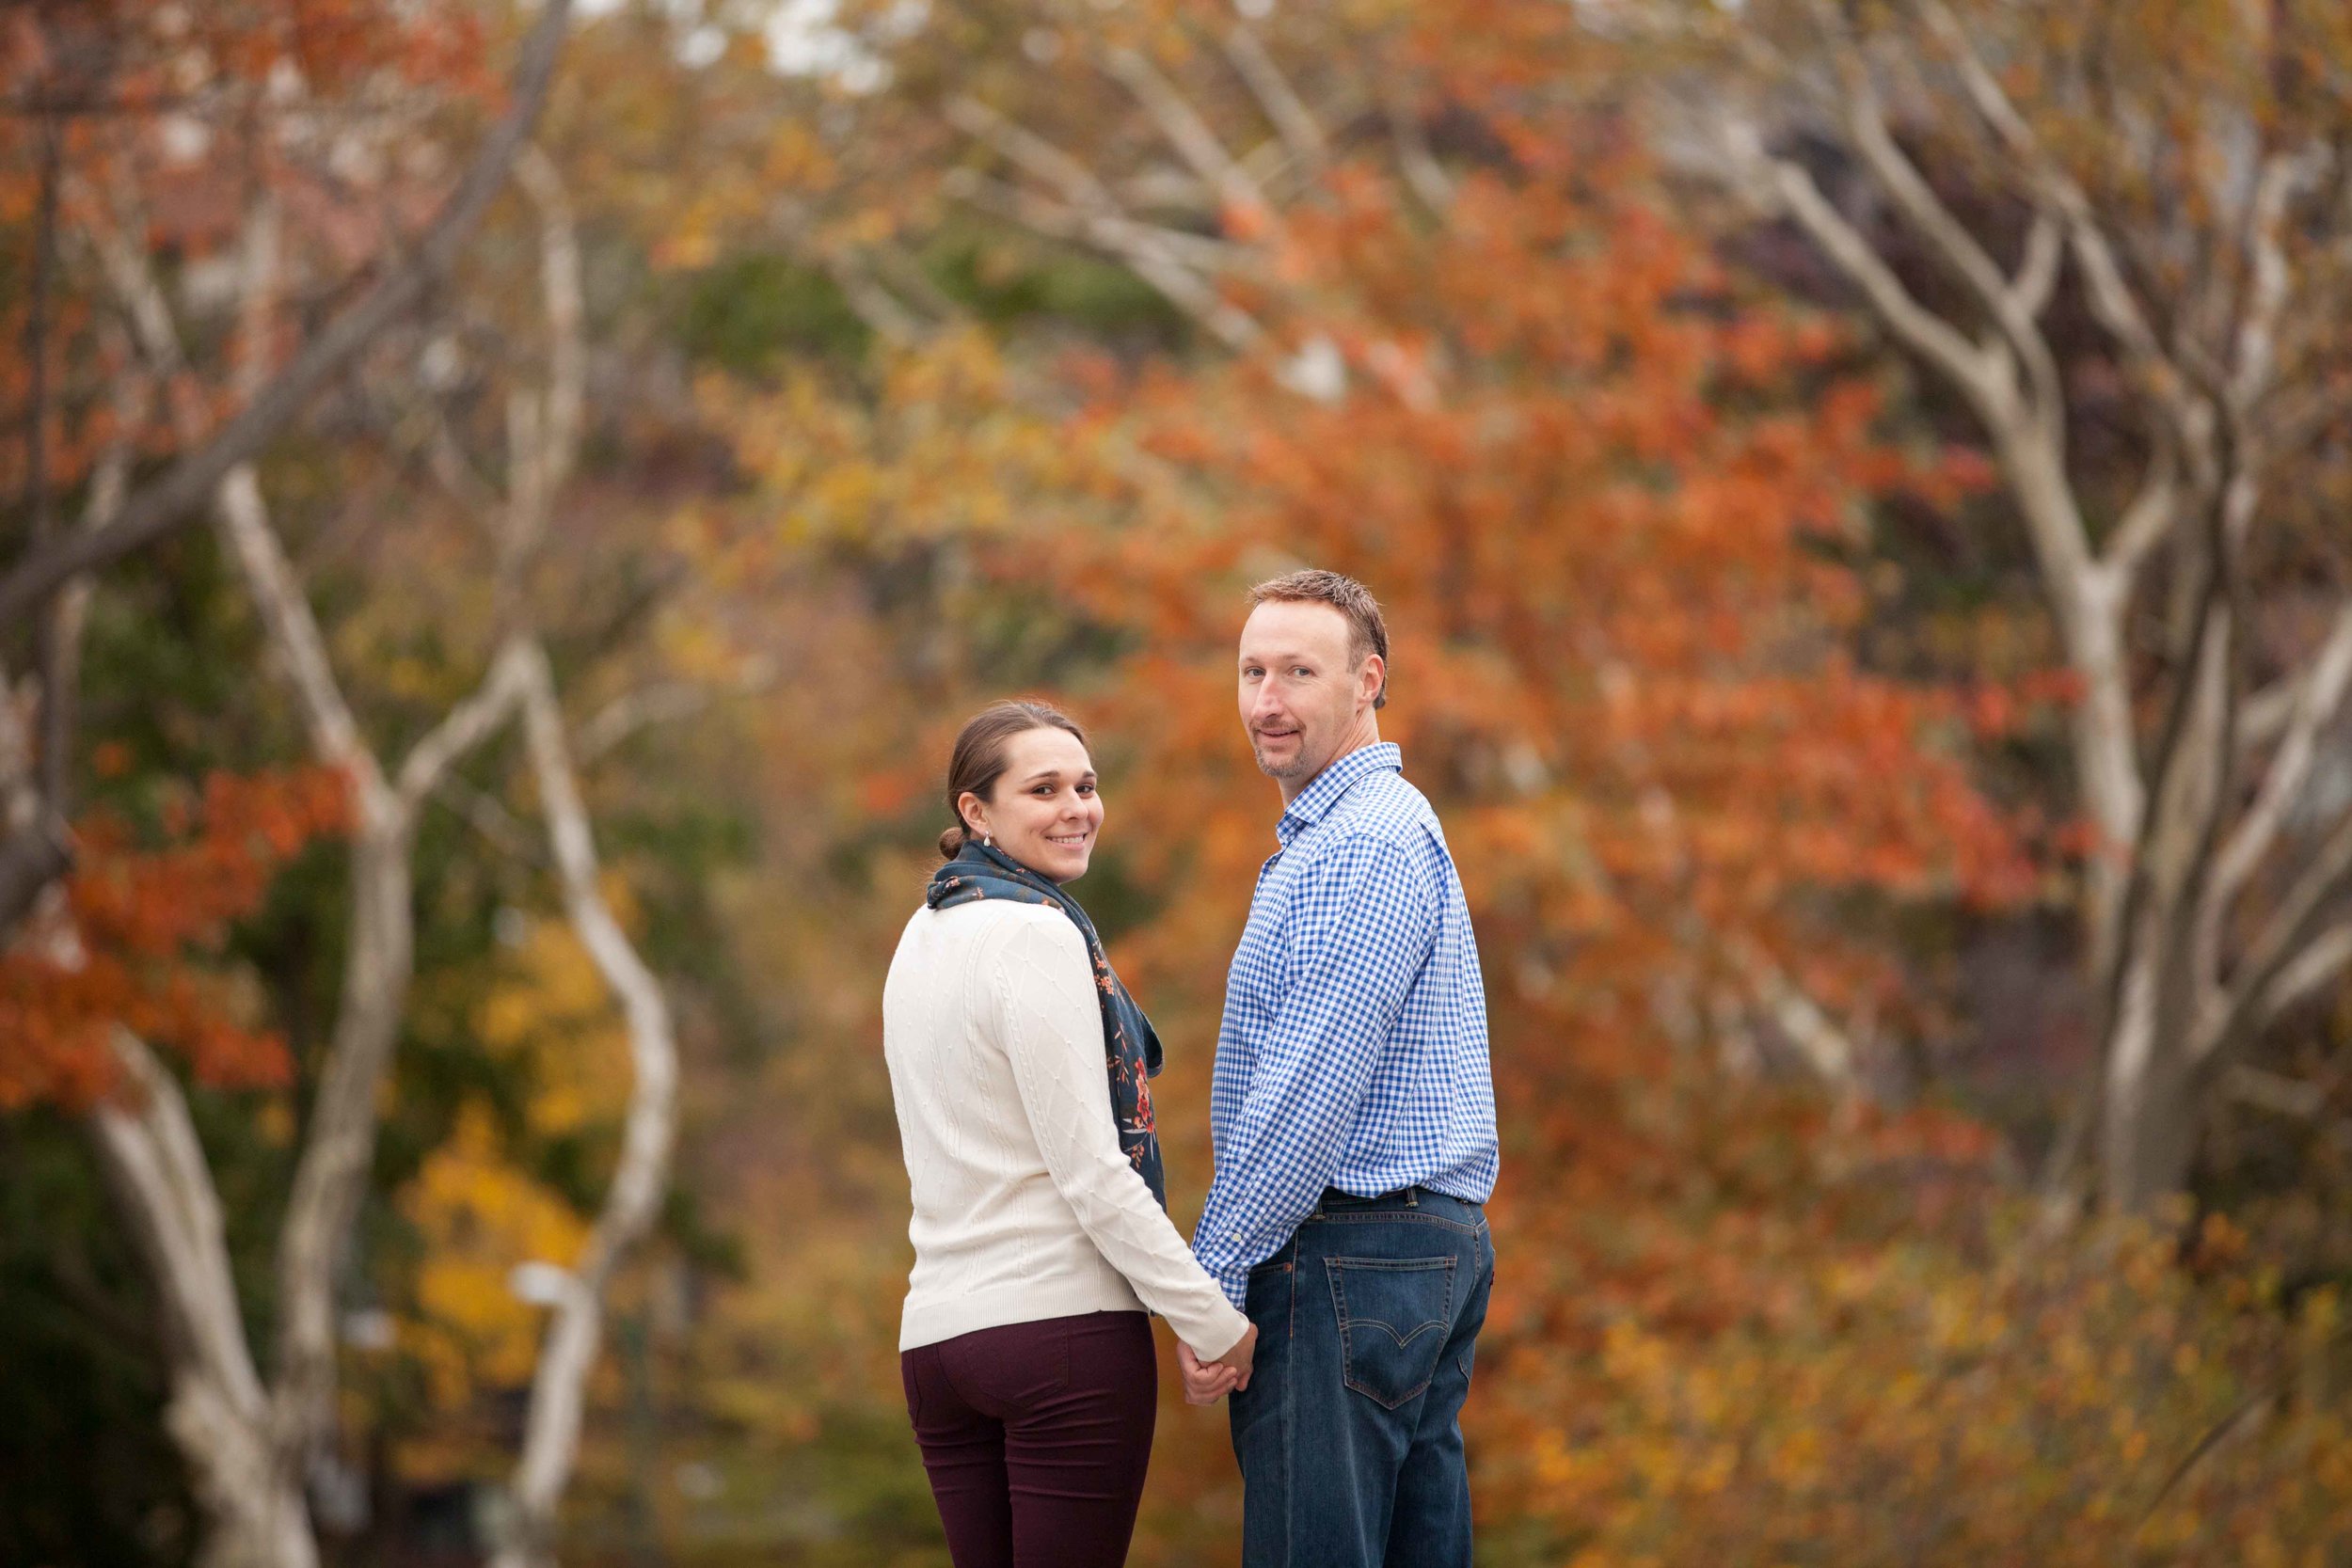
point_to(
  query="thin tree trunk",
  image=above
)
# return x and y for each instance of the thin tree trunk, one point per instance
(339, 1148)
(220, 1417)
(543, 448)
(633, 1198)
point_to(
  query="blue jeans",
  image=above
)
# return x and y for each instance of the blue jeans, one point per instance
(1349, 1435)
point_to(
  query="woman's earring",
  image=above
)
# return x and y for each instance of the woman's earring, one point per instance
(988, 841)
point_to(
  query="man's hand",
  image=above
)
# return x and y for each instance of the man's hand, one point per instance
(1240, 1358)
(1205, 1382)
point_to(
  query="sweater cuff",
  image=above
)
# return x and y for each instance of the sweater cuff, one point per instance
(1219, 1334)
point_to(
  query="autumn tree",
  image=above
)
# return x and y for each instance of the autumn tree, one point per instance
(230, 182)
(2173, 186)
(108, 91)
(1614, 497)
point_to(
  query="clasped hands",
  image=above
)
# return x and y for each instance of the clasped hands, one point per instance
(1207, 1381)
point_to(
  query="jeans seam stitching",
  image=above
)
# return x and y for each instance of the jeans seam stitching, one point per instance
(1396, 1218)
(1289, 1381)
(1347, 1348)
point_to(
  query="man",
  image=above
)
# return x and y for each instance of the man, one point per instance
(1353, 1115)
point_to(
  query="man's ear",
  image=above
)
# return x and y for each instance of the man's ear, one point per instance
(1374, 675)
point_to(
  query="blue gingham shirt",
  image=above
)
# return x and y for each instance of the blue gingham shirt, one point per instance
(1353, 1053)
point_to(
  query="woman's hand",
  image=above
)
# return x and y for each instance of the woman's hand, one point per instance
(1206, 1382)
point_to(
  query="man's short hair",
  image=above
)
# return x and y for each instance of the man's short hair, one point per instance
(1367, 633)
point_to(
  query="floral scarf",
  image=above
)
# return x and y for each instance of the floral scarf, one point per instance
(1131, 1048)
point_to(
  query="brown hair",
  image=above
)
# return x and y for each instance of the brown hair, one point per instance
(1367, 633)
(979, 760)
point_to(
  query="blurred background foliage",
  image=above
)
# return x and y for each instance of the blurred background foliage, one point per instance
(942, 351)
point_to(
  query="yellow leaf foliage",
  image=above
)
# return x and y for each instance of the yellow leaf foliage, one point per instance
(479, 1214)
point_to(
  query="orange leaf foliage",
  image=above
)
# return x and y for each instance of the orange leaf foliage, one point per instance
(183, 109)
(1606, 497)
(128, 949)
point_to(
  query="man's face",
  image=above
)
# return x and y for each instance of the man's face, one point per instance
(1300, 702)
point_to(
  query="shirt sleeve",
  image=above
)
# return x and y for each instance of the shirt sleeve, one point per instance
(1363, 923)
(1052, 1029)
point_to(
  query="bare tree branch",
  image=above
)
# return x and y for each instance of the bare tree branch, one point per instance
(1427, 177)
(624, 715)
(2035, 277)
(2160, 894)
(1950, 242)
(1784, 185)
(2283, 177)
(2254, 991)
(1149, 252)
(558, 436)
(543, 432)
(110, 476)
(2264, 715)
(1154, 255)
(2318, 694)
(38, 848)
(489, 818)
(294, 636)
(1828, 1050)
(2113, 303)
(1292, 120)
(463, 728)
(2111, 297)
(2152, 515)
(1122, 236)
(32, 857)
(56, 692)
(2269, 1091)
(1031, 151)
(172, 500)
(2320, 964)
(872, 304)
(660, 704)
(906, 275)
(1186, 131)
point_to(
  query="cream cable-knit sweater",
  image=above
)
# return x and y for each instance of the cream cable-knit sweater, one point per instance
(1025, 1208)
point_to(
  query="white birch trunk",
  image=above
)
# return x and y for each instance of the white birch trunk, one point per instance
(220, 1417)
(2179, 842)
(633, 1198)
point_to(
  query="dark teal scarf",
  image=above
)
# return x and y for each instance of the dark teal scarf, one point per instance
(1131, 1048)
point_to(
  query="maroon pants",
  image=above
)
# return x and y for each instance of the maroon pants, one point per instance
(1035, 1436)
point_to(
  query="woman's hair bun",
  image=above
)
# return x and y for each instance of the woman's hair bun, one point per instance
(951, 843)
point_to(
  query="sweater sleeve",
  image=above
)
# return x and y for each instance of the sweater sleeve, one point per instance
(1042, 995)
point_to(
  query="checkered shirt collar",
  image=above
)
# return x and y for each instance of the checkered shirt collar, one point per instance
(1316, 801)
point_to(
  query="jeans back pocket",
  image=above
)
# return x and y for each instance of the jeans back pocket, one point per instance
(1395, 1316)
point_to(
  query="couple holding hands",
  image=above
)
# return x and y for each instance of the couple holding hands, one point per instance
(1334, 1287)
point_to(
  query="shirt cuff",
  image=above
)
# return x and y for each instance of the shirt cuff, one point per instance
(1235, 1284)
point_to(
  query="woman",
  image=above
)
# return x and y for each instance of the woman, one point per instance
(1018, 1066)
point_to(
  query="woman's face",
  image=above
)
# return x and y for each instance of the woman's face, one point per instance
(1046, 812)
